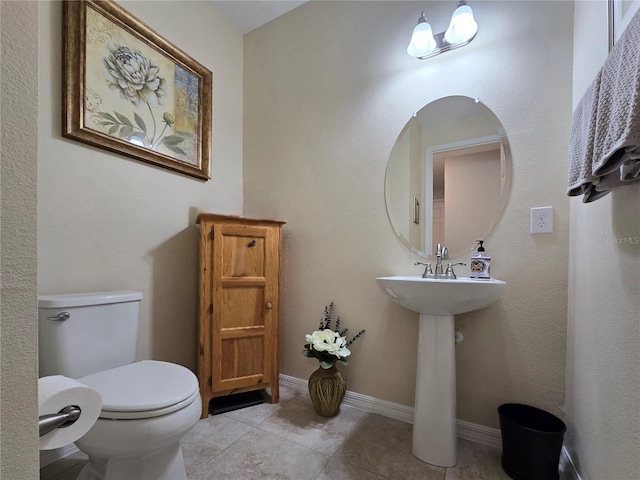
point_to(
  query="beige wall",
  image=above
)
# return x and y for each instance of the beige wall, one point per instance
(107, 222)
(18, 333)
(328, 88)
(603, 336)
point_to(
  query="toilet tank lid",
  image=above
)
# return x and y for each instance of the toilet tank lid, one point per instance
(84, 299)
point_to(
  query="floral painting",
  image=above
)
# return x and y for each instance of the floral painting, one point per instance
(135, 97)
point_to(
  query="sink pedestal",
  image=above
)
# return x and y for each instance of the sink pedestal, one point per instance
(434, 424)
(438, 300)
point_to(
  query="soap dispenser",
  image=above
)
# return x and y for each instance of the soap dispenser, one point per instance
(480, 263)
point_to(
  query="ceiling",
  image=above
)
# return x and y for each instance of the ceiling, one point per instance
(247, 15)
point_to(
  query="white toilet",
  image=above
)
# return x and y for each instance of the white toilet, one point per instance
(148, 406)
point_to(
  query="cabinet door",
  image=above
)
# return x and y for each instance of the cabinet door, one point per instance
(244, 292)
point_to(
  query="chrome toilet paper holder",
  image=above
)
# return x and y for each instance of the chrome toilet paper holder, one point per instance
(64, 418)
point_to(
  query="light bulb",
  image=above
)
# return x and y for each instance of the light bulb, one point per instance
(463, 27)
(422, 41)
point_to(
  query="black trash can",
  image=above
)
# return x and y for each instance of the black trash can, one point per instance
(531, 442)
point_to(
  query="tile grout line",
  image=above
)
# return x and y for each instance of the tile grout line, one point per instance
(331, 456)
(259, 427)
(347, 437)
(202, 464)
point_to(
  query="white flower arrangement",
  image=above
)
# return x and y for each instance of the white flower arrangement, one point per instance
(328, 345)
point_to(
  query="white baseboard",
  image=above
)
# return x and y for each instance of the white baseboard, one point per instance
(362, 402)
(568, 470)
(467, 430)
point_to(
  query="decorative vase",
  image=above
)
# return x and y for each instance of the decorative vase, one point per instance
(326, 389)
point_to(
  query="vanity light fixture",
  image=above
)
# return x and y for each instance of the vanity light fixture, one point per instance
(461, 31)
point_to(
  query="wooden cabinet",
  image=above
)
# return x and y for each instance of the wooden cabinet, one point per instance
(239, 306)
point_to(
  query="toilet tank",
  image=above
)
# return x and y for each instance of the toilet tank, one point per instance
(84, 333)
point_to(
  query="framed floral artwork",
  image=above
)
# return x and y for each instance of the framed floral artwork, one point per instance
(128, 90)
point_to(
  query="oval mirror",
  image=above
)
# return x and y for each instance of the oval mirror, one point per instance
(448, 177)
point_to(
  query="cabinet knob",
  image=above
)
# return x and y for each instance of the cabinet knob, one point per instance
(269, 306)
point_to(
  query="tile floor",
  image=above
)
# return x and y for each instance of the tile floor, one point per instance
(289, 440)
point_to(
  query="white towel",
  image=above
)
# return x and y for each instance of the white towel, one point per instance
(604, 148)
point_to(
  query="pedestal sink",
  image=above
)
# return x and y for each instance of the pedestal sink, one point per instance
(437, 301)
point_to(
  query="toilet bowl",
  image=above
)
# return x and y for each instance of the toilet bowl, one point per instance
(147, 406)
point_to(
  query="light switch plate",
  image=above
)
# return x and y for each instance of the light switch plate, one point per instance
(541, 220)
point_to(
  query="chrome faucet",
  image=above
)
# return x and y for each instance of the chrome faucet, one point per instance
(441, 254)
(450, 273)
(428, 273)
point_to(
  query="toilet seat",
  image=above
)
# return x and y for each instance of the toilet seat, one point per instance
(143, 389)
(142, 414)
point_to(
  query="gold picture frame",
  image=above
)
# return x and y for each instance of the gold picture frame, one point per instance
(128, 90)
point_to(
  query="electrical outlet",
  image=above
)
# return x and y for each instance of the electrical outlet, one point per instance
(541, 220)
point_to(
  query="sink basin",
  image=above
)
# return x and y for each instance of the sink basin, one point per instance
(437, 301)
(441, 296)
